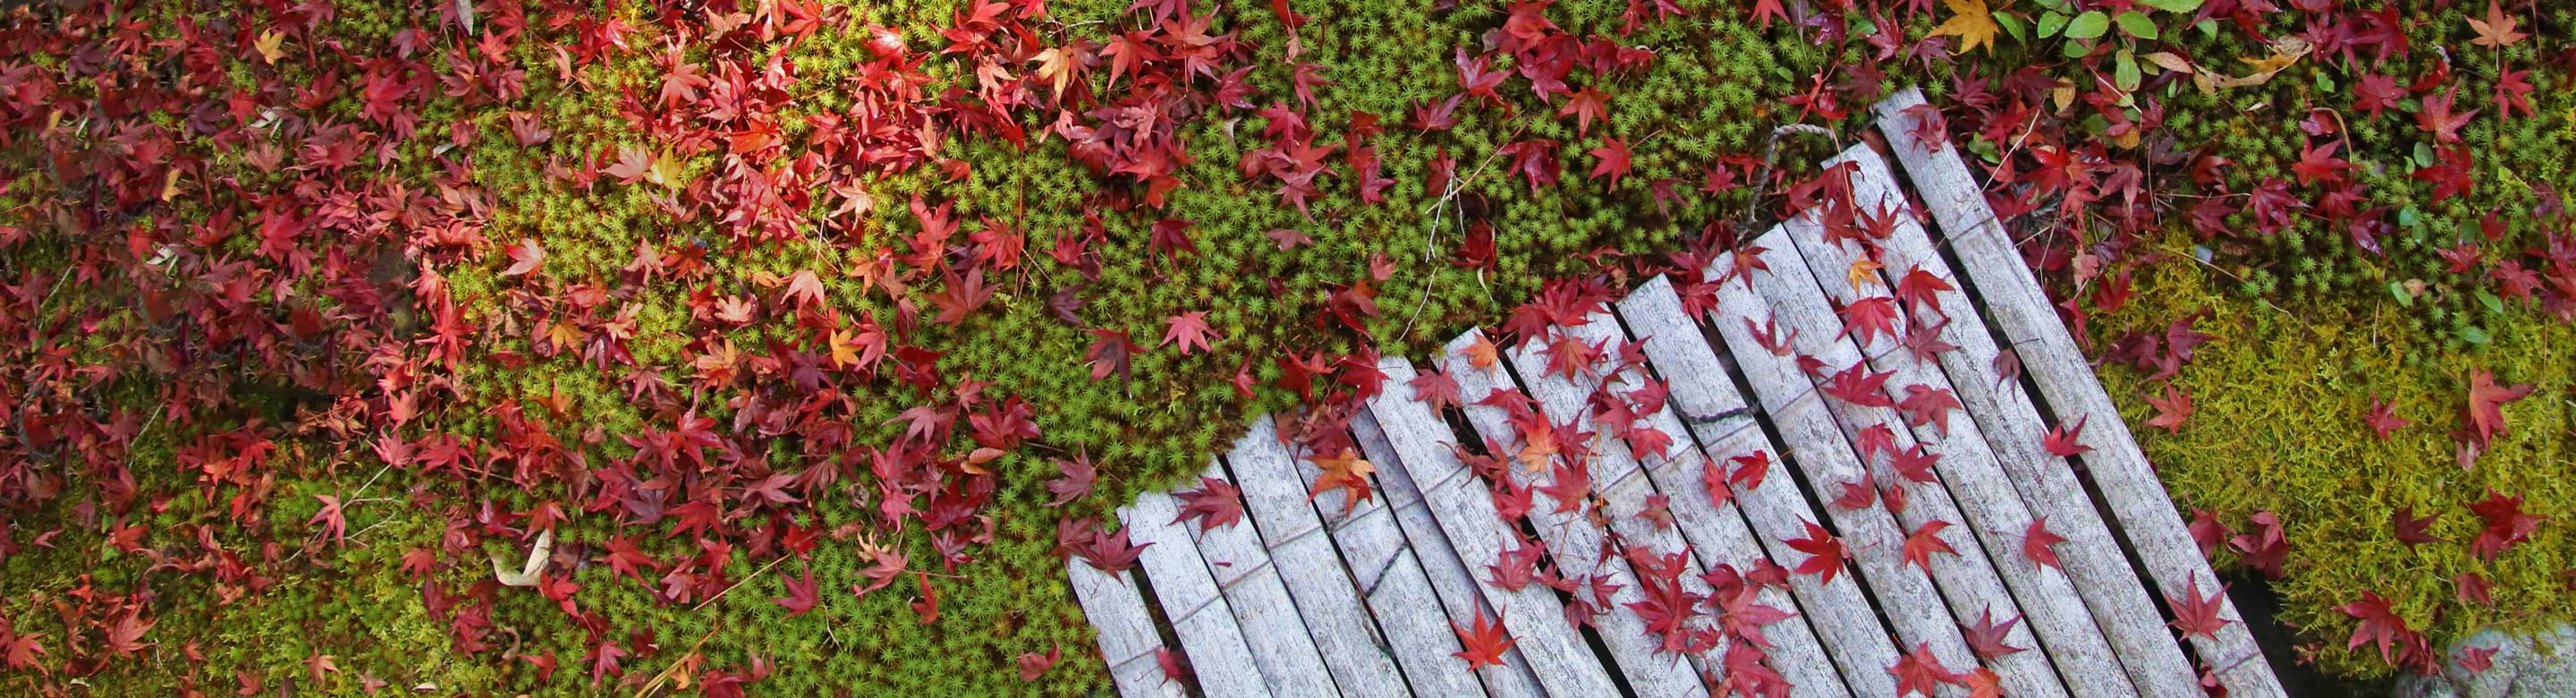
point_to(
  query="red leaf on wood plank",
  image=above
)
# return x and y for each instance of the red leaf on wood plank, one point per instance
(2039, 544)
(1485, 642)
(1215, 503)
(1825, 553)
(1926, 540)
(1918, 672)
(1986, 637)
(2198, 615)
(2062, 440)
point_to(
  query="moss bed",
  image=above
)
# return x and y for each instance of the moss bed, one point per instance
(813, 336)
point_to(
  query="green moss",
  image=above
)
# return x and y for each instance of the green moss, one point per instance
(2279, 401)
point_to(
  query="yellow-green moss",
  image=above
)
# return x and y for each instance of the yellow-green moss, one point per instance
(2277, 426)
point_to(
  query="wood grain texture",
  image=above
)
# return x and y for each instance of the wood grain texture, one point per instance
(1124, 628)
(1188, 595)
(2013, 430)
(1968, 580)
(1576, 543)
(1816, 445)
(1702, 392)
(1994, 515)
(1359, 588)
(2014, 301)
(1452, 588)
(1558, 655)
(1717, 535)
(1281, 643)
(1327, 595)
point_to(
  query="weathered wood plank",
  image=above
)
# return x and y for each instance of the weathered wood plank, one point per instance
(1328, 596)
(1968, 580)
(1281, 643)
(1816, 445)
(2013, 430)
(1411, 525)
(1188, 594)
(1577, 544)
(1125, 629)
(1558, 655)
(1723, 425)
(2015, 302)
(1994, 513)
(1718, 536)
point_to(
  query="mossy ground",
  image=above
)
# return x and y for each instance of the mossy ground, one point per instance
(2279, 399)
(1718, 85)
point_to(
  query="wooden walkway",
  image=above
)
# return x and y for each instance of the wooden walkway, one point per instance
(1303, 598)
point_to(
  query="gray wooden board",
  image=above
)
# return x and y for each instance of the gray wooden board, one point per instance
(1701, 391)
(1125, 629)
(1717, 535)
(1190, 601)
(2015, 302)
(1281, 643)
(1429, 561)
(1558, 655)
(1328, 597)
(1968, 580)
(1994, 513)
(1815, 445)
(1576, 543)
(2013, 430)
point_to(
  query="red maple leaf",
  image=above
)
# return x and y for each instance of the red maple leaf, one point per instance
(525, 258)
(1485, 642)
(2171, 411)
(2436, 118)
(333, 521)
(1079, 475)
(1033, 665)
(1918, 672)
(1749, 470)
(1610, 159)
(1215, 503)
(2198, 615)
(1921, 292)
(1768, 335)
(2507, 524)
(1924, 404)
(1108, 354)
(1865, 319)
(1825, 553)
(1924, 541)
(2413, 531)
(2379, 624)
(2063, 441)
(1585, 105)
(2039, 544)
(2318, 163)
(1859, 386)
(1915, 465)
(1857, 494)
(1187, 329)
(2266, 547)
(2485, 411)
(800, 593)
(1987, 637)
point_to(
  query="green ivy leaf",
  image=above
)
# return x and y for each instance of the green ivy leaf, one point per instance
(2473, 335)
(2173, 6)
(2124, 71)
(2051, 23)
(2398, 289)
(2089, 25)
(2135, 23)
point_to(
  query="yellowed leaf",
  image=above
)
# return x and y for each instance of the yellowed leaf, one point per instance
(268, 46)
(2170, 62)
(1864, 272)
(1972, 23)
(2497, 30)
